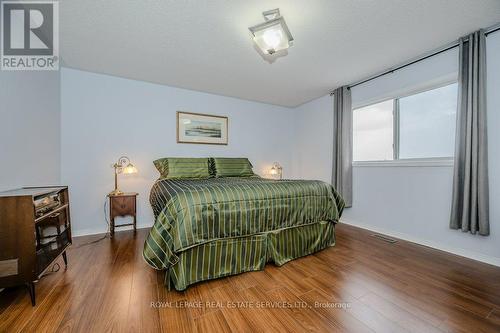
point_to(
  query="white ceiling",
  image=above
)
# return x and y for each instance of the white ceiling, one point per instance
(205, 45)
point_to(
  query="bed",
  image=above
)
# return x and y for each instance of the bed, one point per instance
(210, 228)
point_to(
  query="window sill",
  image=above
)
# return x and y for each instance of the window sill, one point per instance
(427, 162)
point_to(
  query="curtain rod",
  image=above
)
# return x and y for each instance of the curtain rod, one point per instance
(435, 52)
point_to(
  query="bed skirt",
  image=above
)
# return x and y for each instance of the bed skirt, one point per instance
(230, 256)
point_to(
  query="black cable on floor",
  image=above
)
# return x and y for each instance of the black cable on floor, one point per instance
(55, 268)
(107, 232)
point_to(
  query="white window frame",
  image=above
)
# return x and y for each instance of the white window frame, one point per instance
(406, 162)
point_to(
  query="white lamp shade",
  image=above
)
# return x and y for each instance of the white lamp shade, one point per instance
(272, 36)
(129, 169)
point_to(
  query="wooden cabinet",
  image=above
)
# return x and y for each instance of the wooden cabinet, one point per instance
(122, 205)
(35, 229)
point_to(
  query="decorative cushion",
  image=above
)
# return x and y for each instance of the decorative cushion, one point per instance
(232, 167)
(182, 167)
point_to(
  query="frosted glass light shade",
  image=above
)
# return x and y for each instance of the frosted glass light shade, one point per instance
(130, 168)
(276, 170)
(272, 35)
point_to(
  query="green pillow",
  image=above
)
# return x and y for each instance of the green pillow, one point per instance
(162, 166)
(181, 167)
(232, 167)
(211, 167)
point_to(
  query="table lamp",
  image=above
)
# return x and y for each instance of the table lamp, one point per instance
(124, 166)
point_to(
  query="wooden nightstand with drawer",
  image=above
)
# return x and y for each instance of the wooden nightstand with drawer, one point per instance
(122, 205)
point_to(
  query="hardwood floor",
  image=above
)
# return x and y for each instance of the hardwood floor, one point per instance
(363, 284)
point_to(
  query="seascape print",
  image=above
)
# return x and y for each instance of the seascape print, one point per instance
(201, 128)
(206, 129)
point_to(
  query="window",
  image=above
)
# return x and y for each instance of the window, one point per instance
(414, 127)
(373, 132)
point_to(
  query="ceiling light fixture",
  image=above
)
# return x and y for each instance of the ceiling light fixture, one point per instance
(273, 34)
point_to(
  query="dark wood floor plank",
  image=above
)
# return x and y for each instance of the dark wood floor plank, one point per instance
(18, 312)
(466, 322)
(84, 280)
(53, 281)
(200, 295)
(494, 316)
(370, 317)
(173, 314)
(400, 287)
(232, 313)
(307, 317)
(337, 316)
(263, 279)
(265, 317)
(373, 319)
(141, 312)
(293, 281)
(441, 293)
(212, 322)
(398, 315)
(114, 293)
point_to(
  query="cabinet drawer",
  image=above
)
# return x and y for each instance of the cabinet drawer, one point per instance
(121, 206)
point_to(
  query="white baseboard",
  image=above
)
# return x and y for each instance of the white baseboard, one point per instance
(495, 261)
(102, 230)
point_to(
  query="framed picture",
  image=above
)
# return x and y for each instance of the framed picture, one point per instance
(201, 128)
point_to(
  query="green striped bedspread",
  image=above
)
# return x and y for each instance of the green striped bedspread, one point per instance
(191, 212)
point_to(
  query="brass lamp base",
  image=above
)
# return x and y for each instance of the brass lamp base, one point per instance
(116, 192)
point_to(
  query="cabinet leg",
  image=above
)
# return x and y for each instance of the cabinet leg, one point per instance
(112, 228)
(65, 258)
(31, 289)
(135, 224)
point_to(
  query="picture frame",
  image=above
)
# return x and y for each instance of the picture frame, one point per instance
(199, 128)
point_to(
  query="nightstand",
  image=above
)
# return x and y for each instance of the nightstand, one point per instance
(122, 205)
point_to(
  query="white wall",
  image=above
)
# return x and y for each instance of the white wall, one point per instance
(412, 203)
(313, 140)
(29, 128)
(104, 117)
